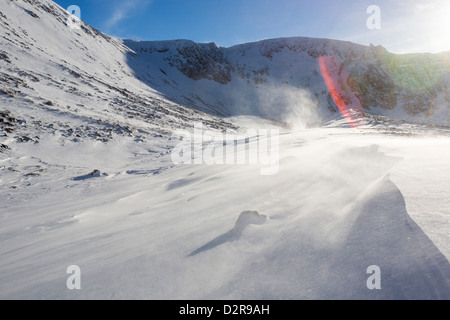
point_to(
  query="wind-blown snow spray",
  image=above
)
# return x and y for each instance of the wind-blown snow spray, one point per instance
(289, 104)
(342, 88)
(254, 147)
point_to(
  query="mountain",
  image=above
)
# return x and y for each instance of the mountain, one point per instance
(132, 87)
(281, 78)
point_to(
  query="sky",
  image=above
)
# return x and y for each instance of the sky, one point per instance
(403, 26)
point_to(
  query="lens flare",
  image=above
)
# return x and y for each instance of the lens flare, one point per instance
(343, 89)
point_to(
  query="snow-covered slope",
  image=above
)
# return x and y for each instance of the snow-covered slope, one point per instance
(76, 83)
(87, 176)
(343, 200)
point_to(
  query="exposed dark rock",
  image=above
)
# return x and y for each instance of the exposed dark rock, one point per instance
(31, 13)
(4, 57)
(32, 174)
(202, 61)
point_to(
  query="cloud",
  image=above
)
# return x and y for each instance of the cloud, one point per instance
(124, 10)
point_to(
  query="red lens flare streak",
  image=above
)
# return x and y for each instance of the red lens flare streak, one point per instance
(342, 88)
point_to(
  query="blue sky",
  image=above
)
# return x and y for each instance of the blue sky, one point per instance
(406, 25)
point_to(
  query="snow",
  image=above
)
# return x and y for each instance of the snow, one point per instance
(95, 185)
(344, 199)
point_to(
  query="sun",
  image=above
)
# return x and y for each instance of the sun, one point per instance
(435, 24)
